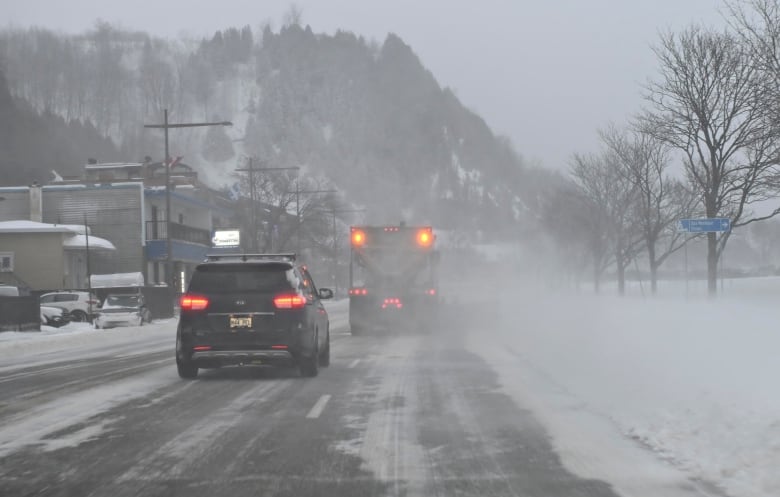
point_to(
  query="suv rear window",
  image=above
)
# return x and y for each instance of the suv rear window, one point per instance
(230, 278)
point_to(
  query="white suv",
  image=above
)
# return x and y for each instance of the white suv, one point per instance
(82, 306)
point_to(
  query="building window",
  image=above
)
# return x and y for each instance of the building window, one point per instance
(6, 262)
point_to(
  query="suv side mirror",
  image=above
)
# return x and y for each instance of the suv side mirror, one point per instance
(326, 293)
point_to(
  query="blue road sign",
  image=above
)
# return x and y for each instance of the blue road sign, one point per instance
(704, 225)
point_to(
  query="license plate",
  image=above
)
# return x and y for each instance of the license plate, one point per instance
(240, 321)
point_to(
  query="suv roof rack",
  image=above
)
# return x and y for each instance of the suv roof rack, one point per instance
(246, 257)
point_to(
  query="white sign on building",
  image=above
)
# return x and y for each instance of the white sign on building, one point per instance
(226, 238)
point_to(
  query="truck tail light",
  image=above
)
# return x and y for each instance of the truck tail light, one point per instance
(358, 238)
(358, 291)
(392, 303)
(425, 237)
(292, 301)
(189, 302)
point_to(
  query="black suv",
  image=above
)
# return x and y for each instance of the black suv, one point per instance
(252, 309)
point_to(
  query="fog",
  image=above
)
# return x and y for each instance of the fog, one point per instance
(679, 375)
(538, 369)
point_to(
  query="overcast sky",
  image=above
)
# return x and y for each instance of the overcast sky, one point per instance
(546, 74)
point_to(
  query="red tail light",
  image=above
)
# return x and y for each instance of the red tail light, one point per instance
(289, 302)
(279, 347)
(392, 303)
(432, 291)
(201, 348)
(193, 302)
(358, 291)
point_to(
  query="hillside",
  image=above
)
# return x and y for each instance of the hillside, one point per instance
(32, 144)
(366, 118)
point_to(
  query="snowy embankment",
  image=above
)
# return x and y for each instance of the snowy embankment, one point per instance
(694, 380)
(81, 340)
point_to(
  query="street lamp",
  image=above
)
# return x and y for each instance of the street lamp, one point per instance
(166, 126)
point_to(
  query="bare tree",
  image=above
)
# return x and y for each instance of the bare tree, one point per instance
(283, 220)
(108, 78)
(156, 82)
(757, 24)
(569, 219)
(661, 199)
(610, 200)
(706, 104)
(293, 16)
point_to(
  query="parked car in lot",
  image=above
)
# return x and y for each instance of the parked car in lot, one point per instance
(81, 306)
(54, 316)
(123, 310)
(9, 291)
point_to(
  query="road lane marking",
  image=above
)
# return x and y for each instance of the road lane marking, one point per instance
(318, 407)
(354, 363)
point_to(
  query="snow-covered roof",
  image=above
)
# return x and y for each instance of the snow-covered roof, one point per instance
(116, 280)
(77, 240)
(80, 242)
(24, 226)
(79, 229)
(113, 165)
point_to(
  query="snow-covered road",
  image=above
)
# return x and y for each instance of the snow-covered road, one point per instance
(545, 396)
(692, 382)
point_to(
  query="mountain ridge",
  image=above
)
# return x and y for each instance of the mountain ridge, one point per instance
(370, 118)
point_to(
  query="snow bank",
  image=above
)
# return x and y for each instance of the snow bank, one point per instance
(81, 340)
(695, 381)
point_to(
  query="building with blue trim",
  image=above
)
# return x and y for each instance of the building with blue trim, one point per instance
(125, 204)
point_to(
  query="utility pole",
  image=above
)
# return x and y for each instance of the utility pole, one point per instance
(252, 199)
(89, 270)
(165, 126)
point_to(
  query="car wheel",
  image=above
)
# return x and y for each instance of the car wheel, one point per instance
(186, 370)
(325, 358)
(79, 316)
(310, 366)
